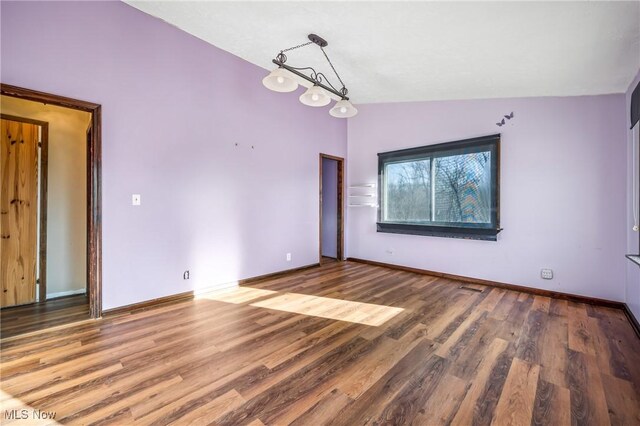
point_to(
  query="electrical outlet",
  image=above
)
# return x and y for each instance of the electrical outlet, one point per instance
(288, 257)
(546, 274)
(185, 276)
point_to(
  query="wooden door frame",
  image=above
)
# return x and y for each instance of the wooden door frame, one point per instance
(42, 219)
(340, 239)
(94, 174)
(88, 137)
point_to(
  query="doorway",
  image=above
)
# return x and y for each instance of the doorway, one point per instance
(71, 290)
(23, 171)
(331, 208)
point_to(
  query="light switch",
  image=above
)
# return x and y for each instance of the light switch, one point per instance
(135, 200)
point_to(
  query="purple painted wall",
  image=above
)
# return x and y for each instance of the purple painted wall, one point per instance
(329, 208)
(633, 271)
(174, 108)
(563, 190)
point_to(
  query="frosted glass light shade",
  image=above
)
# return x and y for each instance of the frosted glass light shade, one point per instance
(280, 81)
(343, 109)
(315, 96)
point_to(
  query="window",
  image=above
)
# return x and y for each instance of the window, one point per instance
(446, 190)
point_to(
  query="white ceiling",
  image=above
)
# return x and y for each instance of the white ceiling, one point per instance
(413, 51)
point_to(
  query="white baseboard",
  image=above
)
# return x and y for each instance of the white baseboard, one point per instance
(65, 293)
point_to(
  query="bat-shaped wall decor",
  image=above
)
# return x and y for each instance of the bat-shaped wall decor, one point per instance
(502, 122)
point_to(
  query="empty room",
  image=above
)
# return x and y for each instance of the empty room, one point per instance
(320, 213)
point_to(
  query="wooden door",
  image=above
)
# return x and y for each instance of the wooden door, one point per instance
(18, 212)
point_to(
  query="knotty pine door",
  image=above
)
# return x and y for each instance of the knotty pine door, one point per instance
(18, 212)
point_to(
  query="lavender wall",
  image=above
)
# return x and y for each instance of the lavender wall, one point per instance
(563, 190)
(329, 208)
(633, 271)
(174, 108)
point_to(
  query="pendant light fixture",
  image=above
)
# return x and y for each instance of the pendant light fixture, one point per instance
(315, 96)
(280, 81)
(318, 95)
(343, 109)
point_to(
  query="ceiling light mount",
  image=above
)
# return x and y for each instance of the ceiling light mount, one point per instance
(278, 81)
(318, 40)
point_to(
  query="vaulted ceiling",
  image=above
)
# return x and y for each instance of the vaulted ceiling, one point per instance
(414, 51)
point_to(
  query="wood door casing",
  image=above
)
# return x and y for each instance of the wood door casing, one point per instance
(340, 227)
(89, 182)
(18, 212)
(94, 263)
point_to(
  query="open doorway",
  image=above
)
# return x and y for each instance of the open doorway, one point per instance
(331, 208)
(50, 205)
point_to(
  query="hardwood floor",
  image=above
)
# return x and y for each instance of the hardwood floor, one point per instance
(38, 316)
(297, 350)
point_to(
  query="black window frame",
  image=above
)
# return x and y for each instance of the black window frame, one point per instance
(475, 231)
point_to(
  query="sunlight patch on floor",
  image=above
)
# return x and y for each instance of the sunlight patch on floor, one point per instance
(236, 295)
(325, 307)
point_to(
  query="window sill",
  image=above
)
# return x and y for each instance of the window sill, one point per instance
(482, 234)
(635, 258)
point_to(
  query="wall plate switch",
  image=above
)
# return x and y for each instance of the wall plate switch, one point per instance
(288, 257)
(135, 199)
(546, 274)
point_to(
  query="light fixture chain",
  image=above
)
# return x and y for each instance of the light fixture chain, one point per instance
(332, 67)
(296, 47)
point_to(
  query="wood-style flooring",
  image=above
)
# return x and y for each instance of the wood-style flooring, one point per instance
(299, 349)
(38, 316)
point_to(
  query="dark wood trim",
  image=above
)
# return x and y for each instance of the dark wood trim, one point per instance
(340, 221)
(632, 319)
(47, 98)
(188, 295)
(23, 119)
(42, 220)
(148, 304)
(332, 157)
(94, 226)
(341, 209)
(320, 208)
(88, 186)
(277, 274)
(44, 210)
(523, 289)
